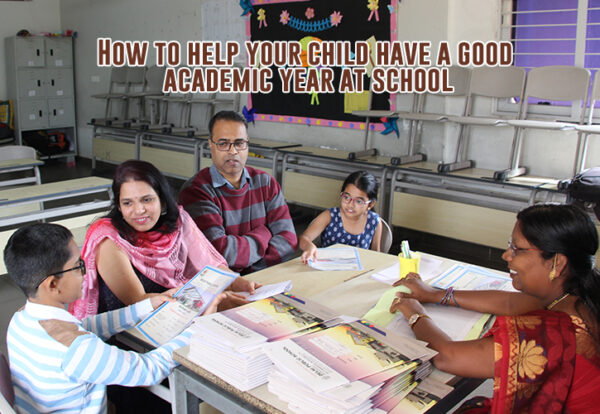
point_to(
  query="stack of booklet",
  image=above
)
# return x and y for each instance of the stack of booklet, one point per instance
(349, 368)
(229, 344)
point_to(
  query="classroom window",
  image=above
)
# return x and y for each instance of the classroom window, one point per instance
(552, 32)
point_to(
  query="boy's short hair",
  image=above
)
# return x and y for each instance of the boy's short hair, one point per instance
(34, 252)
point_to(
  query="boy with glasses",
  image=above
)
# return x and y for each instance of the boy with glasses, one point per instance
(241, 210)
(59, 363)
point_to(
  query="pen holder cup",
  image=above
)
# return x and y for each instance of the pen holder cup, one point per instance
(409, 265)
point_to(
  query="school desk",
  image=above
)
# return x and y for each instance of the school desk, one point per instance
(22, 204)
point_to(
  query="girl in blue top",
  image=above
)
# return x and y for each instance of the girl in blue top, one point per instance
(353, 223)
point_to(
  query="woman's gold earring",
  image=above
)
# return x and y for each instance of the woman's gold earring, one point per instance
(552, 274)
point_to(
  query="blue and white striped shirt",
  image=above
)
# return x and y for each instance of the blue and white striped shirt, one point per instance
(50, 377)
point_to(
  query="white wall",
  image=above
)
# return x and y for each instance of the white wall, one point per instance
(433, 20)
(36, 16)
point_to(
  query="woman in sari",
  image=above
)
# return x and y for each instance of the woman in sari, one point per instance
(145, 245)
(543, 349)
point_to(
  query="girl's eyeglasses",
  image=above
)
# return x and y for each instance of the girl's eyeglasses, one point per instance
(347, 198)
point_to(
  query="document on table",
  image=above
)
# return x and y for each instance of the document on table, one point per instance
(267, 291)
(459, 324)
(469, 277)
(191, 300)
(337, 258)
(428, 267)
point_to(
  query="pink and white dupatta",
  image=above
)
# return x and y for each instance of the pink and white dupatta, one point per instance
(167, 259)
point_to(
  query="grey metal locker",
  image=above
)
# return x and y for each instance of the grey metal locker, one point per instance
(40, 83)
(60, 112)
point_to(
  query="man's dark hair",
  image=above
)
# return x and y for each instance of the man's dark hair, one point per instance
(226, 116)
(34, 252)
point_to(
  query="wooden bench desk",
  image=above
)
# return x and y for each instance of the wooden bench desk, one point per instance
(24, 197)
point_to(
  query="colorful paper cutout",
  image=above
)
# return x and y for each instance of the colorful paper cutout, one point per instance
(390, 125)
(336, 18)
(247, 7)
(373, 5)
(249, 114)
(310, 13)
(262, 18)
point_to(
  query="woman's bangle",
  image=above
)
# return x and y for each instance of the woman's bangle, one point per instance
(448, 298)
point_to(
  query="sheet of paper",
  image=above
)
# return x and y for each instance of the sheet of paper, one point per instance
(456, 323)
(356, 101)
(191, 300)
(429, 267)
(337, 258)
(380, 313)
(266, 291)
(469, 277)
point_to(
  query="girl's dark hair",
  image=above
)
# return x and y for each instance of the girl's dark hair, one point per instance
(568, 230)
(135, 170)
(365, 182)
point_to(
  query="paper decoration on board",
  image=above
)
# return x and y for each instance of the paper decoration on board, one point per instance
(247, 7)
(262, 18)
(302, 25)
(391, 125)
(391, 8)
(373, 5)
(249, 114)
(372, 47)
(325, 109)
(356, 101)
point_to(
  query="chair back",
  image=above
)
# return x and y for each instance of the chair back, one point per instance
(6, 386)
(15, 152)
(497, 81)
(154, 79)
(548, 83)
(386, 237)
(118, 77)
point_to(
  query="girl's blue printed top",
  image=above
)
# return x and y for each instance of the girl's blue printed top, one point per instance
(335, 232)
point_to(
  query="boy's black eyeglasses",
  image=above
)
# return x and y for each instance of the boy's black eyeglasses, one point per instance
(80, 266)
(224, 145)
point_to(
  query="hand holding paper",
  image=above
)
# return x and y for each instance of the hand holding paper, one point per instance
(266, 291)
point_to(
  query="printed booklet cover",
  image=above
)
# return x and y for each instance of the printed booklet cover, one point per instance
(191, 300)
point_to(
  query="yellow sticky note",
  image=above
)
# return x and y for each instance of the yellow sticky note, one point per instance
(356, 101)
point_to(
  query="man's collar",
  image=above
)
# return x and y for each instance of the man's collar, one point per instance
(218, 180)
(49, 312)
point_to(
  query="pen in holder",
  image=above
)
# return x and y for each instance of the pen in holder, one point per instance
(409, 261)
(408, 265)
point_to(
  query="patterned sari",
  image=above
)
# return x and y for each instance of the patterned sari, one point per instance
(546, 362)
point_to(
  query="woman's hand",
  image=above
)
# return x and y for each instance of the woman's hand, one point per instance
(309, 254)
(407, 306)
(419, 290)
(241, 284)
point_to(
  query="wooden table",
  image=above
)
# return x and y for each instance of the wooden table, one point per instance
(346, 292)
